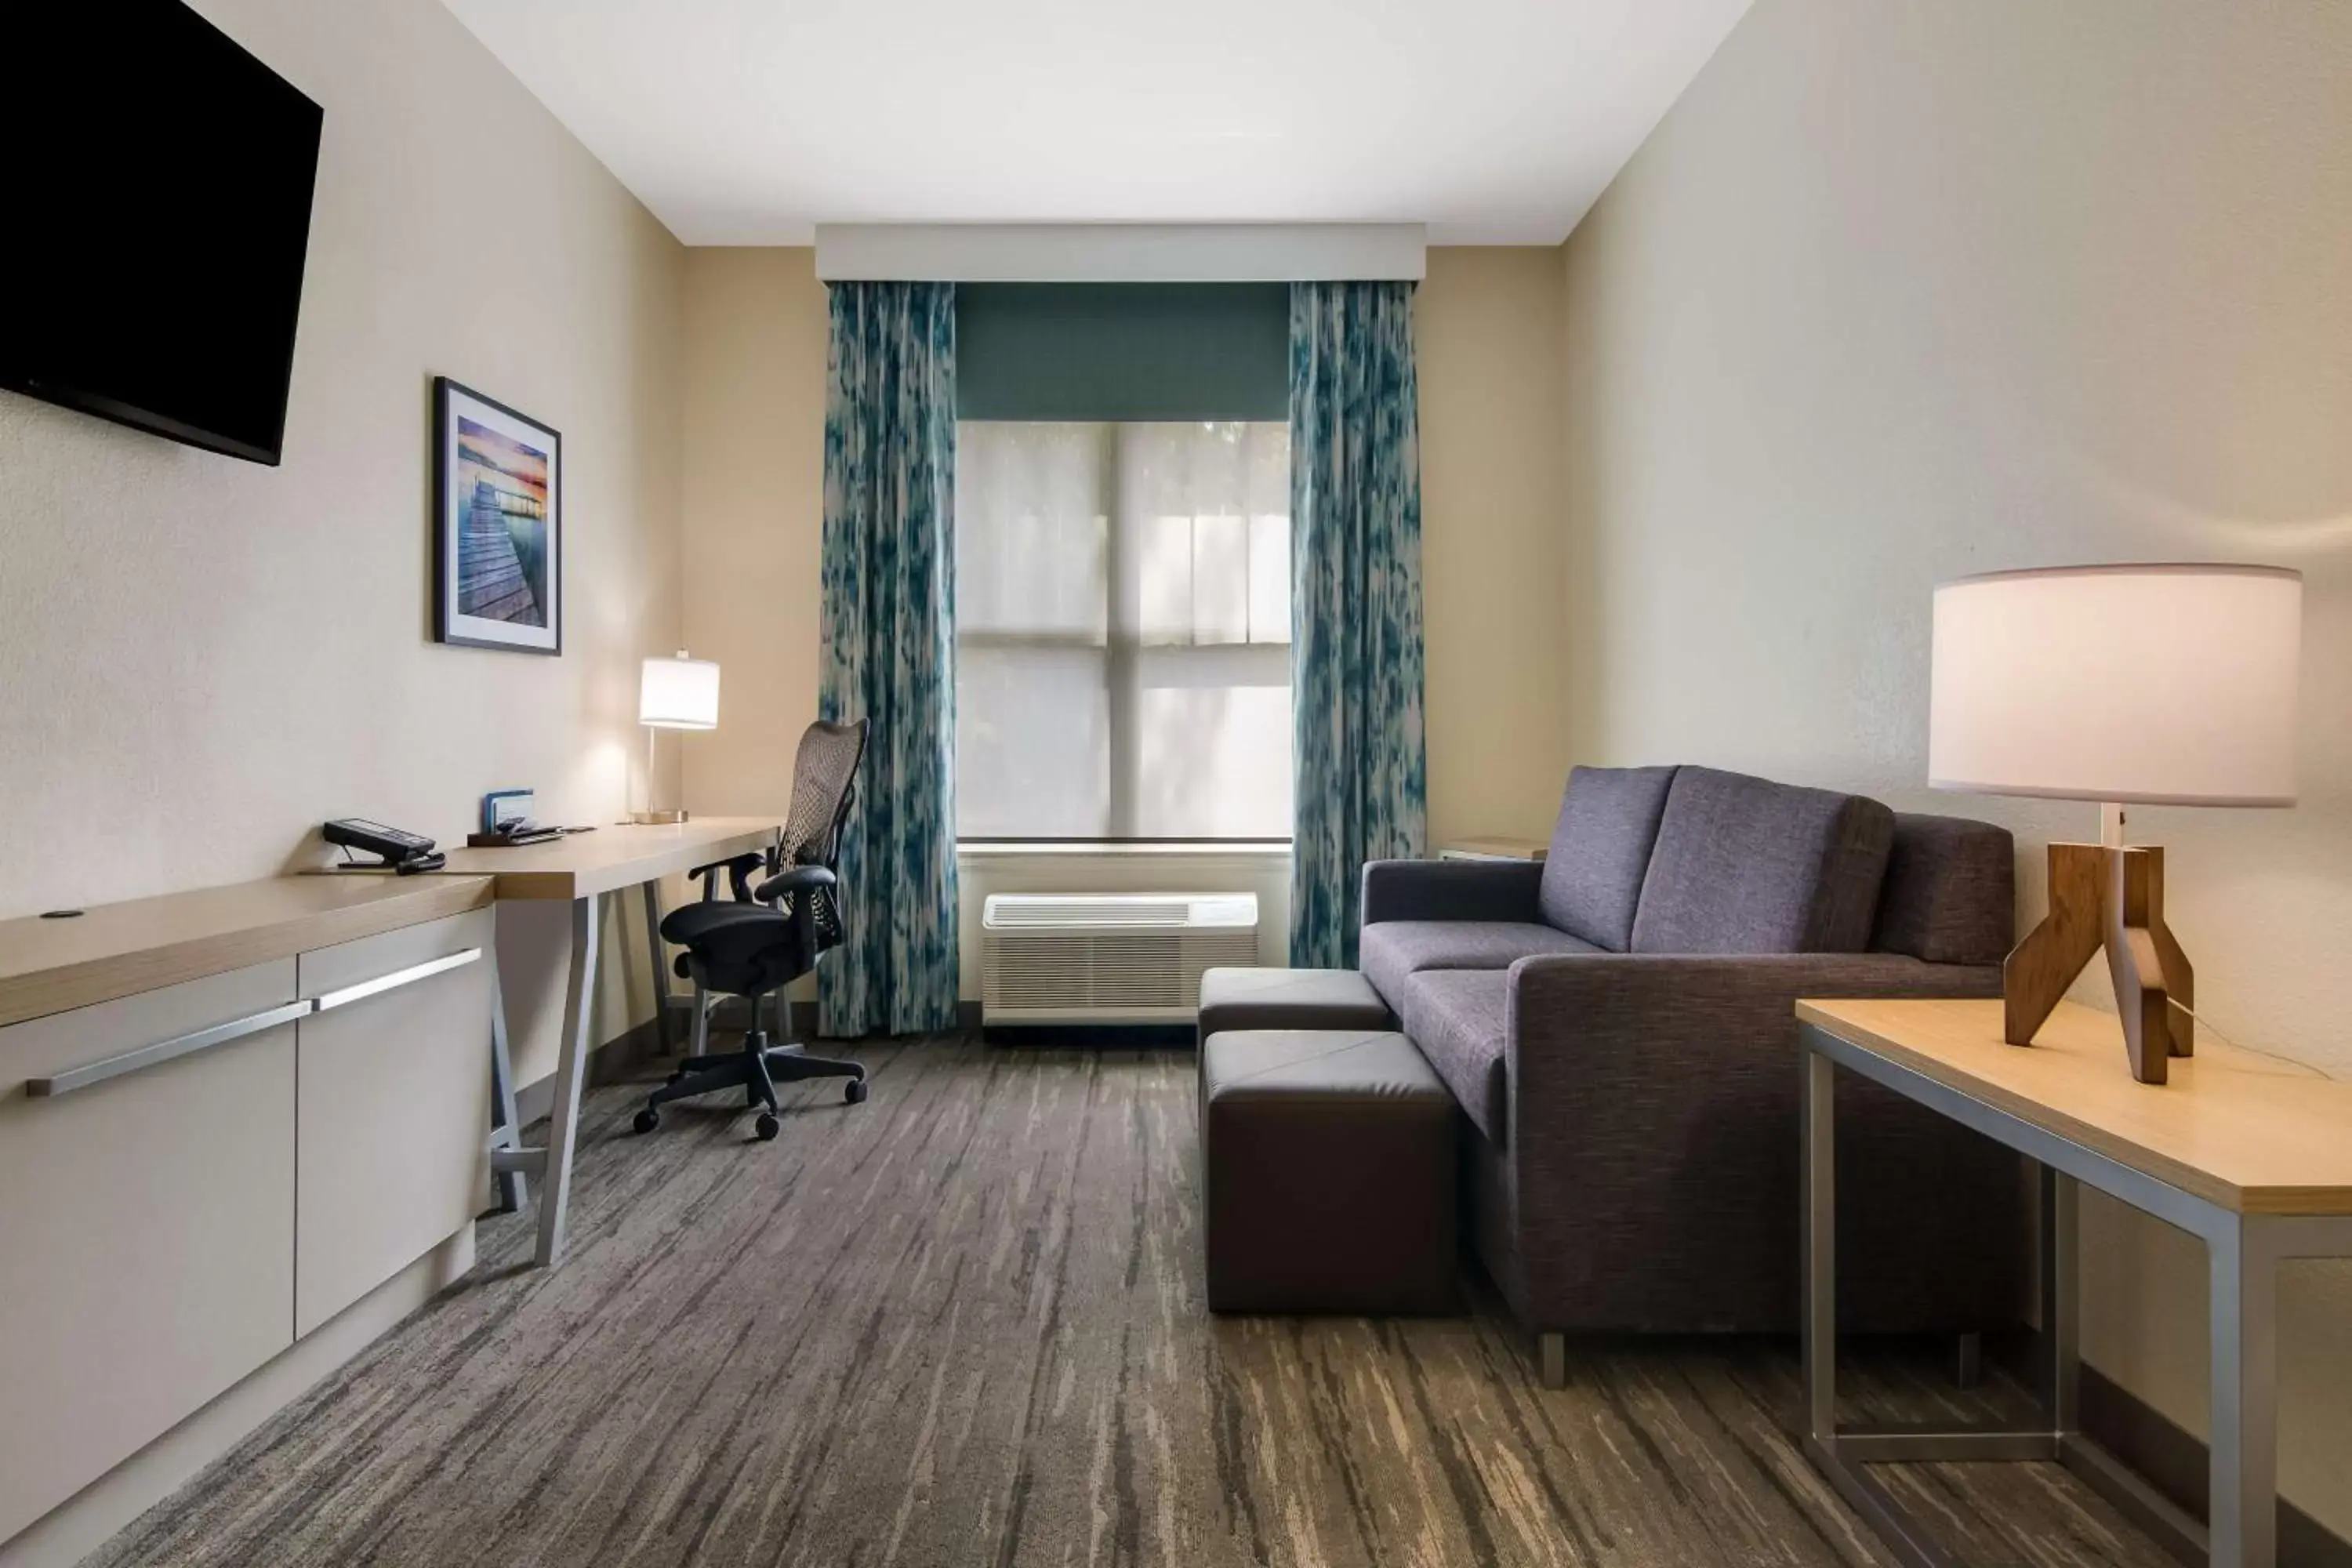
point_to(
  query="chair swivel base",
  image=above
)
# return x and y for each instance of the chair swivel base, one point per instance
(756, 1069)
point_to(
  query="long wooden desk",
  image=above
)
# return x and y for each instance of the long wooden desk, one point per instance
(120, 949)
(578, 869)
(2248, 1153)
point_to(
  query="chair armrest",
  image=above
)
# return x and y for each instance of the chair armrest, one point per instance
(738, 870)
(792, 879)
(1450, 889)
(1583, 1023)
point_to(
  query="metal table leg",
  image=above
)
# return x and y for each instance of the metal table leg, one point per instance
(1820, 1292)
(2244, 1279)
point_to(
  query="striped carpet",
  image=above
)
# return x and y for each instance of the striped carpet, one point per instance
(962, 1325)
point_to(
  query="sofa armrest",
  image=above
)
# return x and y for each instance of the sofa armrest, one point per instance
(1450, 889)
(1659, 1027)
(1653, 1107)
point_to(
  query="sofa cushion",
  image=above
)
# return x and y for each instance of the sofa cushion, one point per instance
(1747, 866)
(1951, 891)
(1599, 850)
(1394, 951)
(1456, 1016)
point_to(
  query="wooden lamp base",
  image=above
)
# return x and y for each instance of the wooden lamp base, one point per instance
(2111, 897)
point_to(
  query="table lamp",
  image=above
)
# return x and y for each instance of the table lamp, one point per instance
(678, 693)
(2125, 685)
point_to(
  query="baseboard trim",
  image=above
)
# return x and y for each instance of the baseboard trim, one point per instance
(2169, 1457)
(2175, 1461)
(94, 1515)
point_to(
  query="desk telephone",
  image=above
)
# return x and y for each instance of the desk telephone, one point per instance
(403, 852)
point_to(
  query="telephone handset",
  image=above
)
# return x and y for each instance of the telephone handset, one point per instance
(397, 849)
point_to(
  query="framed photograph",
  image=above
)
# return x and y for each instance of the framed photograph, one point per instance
(498, 524)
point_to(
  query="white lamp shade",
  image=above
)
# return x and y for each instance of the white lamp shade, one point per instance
(2160, 684)
(678, 693)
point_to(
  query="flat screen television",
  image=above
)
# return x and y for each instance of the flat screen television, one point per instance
(158, 208)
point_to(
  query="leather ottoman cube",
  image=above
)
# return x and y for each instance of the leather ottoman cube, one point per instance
(1289, 999)
(1328, 1174)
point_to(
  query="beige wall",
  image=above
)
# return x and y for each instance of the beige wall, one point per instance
(1492, 554)
(755, 508)
(1898, 292)
(201, 658)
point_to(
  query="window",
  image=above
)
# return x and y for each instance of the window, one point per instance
(1123, 630)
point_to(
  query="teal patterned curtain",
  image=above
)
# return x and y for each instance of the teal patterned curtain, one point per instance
(1355, 529)
(889, 650)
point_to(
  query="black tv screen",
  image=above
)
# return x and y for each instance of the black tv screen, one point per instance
(159, 197)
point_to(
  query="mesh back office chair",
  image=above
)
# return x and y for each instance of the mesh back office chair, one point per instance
(766, 937)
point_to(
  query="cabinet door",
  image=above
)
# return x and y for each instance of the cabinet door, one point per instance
(395, 1101)
(146, 1221)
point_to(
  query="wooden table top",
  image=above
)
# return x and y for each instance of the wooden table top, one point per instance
(1496, 847)
(582, 865)
(2253, 1133)
(117, 950)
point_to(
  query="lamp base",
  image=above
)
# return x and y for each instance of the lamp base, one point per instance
(2111, 897)
(663, 818)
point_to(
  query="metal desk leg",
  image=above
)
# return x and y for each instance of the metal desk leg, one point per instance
(661, 970)
(512, 1184)
(571, 1074)
(2245, 1271)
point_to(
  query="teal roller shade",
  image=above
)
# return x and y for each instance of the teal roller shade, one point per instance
(1123, 350)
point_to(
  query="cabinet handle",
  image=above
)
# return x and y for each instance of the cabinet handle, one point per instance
(397, 978)
(163, 1051)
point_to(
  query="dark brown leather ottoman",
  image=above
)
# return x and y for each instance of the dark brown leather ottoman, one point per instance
(1328, 1174)
(1289, 999)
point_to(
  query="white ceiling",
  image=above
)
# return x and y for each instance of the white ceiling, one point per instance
(746, 122)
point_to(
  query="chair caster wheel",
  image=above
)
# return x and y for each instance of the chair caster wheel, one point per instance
(767, 1127)
(854, 1091)
(647, 1119)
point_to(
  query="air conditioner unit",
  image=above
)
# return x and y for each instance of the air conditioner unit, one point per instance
(1107, 958)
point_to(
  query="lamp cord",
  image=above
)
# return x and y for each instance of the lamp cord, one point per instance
(2201, 1022)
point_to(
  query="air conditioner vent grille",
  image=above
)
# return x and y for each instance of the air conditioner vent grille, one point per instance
(1107, 958)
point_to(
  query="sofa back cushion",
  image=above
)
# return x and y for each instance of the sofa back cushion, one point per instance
(1745, 866)
(1600, 852)
(1951, 891)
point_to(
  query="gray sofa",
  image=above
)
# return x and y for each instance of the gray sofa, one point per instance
(1616, 1024)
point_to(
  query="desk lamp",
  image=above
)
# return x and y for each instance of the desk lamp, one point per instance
(2168, 685)
(678, 693)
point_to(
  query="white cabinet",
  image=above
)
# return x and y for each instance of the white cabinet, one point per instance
(393, 1106)
(147, 1219)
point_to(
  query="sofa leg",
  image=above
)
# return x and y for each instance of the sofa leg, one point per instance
(1968, 1364)
(1551, 1360)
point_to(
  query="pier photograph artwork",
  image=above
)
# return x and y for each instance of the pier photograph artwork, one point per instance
(498, 524)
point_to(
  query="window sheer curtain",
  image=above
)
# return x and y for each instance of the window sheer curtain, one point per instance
(1355, 512)
(888, 651)
(1123, 665)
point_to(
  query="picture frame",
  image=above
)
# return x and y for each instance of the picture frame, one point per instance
(498, 524)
